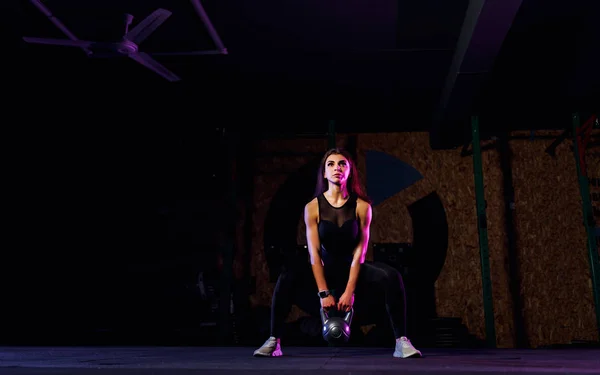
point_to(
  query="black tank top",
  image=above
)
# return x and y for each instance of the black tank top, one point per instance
(338, 230)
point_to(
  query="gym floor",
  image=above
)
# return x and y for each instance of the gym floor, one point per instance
(296, 360)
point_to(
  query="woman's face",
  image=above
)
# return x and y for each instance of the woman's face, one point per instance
(337, 169)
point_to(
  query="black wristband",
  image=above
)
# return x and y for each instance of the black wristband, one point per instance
(324, 294)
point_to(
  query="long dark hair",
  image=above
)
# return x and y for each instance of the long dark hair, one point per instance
(353, 185)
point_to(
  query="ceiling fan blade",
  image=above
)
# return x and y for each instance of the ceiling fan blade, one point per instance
(208, 24)
(42, 8)
(145, 59)
(139, 33)
(59, 42)
(191, 53)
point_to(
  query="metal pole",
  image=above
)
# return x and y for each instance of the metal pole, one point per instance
(228, 250)
(488, 303)
(513, 251)
(588, 215)
(331, 134)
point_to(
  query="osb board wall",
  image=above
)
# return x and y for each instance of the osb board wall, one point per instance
(446, 172)
(592, 157)
(458, 289)
(593, 165)
(551, 238)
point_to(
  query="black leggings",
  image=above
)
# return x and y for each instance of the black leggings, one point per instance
(378, 284)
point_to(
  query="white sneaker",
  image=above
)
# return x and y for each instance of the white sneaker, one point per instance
(404, 349)
(271, 348)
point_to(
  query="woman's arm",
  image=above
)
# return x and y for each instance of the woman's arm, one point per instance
(364, 212)
(314, 245)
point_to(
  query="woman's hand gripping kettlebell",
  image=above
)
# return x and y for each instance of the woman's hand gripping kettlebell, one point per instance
(346, 302)
(328, 303)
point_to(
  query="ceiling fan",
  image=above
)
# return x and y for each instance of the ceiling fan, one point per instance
(128, 45)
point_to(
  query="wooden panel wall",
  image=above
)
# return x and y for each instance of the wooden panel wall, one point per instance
(458, 289)
(556, 288)
(551, 238)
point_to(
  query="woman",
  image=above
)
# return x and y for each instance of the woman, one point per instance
(337, 232)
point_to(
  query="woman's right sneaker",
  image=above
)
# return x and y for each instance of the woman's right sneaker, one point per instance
(271, 348)
(404, 349)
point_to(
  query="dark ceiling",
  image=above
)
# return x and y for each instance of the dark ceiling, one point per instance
(373, 66)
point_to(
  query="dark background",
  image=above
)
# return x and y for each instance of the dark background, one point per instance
(101, 149)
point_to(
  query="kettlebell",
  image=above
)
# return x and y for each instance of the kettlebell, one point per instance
(336, 330)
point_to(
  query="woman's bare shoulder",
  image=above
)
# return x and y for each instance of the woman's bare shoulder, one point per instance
(311, 205)
(311, 210)
(363, 208)
(363, 203)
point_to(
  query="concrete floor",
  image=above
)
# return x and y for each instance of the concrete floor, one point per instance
(296, 360)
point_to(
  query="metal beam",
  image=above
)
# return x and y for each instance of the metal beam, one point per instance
(484, 29)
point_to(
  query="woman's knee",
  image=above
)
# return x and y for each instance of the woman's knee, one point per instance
(285, 281)
(390, 275)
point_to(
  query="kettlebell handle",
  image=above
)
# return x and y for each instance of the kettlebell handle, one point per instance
(324, 316)
(347, 317)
